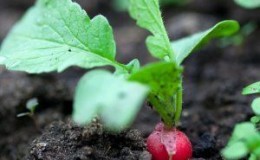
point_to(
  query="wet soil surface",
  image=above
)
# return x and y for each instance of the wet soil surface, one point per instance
(213, 80)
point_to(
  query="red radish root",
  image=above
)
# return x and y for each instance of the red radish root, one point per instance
(169, 144)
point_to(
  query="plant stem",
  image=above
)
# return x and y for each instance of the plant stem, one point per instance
(178, 105)
(121, 66)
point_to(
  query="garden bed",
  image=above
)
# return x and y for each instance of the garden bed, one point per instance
(213, 80)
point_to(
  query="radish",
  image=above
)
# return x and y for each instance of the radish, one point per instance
(165, 79)
(169, 144)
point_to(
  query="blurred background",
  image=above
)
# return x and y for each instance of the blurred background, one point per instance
(213, 77)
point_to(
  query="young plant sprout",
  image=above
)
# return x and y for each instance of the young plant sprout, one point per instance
(245, 139)
(53, 36)
(31, 106)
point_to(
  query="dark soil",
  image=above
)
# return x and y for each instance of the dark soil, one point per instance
(213, 80)
(70, 142)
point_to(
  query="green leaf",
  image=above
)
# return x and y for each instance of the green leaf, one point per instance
(245, 139)
(236, 150)
(252, 142)
(242, 131)
(185, 46)
(256, 106)
(255, 119)
(123, 5)
(252, 157)
(148, 16)
(2, 60)
(240, 141)
(114, 100)
(54, 36)
(256, 151)
(252, 89)
(249, 4)
(134, 66)
(164, 80)
(32, 104)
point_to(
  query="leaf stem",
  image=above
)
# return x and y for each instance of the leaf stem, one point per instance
(179, 101)
(122, 67)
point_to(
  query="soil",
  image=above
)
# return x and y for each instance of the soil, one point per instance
(213, 80)
(68, 141)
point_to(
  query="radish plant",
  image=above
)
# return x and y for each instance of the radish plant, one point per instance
(245, 139)
(56, 34)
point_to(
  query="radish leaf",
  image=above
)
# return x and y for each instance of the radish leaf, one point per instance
(164, 80)
(2, 60)
(114, 100)
(55, 35)
(148, 16)
(185, 46)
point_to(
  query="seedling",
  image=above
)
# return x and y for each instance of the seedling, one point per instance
(31, 106)
(53, 36)
(245, 139)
